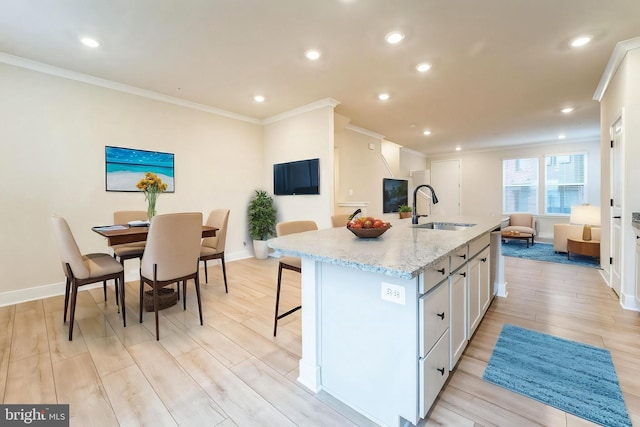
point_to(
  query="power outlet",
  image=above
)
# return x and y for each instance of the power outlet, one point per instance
(393, 293)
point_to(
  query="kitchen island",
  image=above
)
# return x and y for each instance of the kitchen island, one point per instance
(385, 320)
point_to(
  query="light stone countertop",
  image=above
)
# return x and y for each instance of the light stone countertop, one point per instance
(402, 251)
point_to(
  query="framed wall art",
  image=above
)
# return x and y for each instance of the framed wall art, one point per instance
(124, 167)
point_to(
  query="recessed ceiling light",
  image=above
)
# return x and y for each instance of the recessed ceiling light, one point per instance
(383, 96)
(88, 41)
(426, 132)
(580, 41)
(312, 54)
(258, 98)
(394, 37)
(458, 148)
(561, 136)
(423, 67)
(567, 110)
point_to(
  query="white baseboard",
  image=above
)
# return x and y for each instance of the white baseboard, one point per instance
(54, 289)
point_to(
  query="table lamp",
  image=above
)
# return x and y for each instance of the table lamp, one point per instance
(586, 215)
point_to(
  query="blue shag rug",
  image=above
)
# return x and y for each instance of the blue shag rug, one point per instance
(568, 375)
(544, 252)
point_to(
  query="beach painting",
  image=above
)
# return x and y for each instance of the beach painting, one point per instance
(126, 166)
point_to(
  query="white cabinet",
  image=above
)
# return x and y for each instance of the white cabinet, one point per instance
(434, 371)
(485, 280)
(458, 319)
(637, 268)
(434, 315)
(479, 293)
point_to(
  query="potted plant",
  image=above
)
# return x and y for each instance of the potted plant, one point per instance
(405, 211)
(261, 214)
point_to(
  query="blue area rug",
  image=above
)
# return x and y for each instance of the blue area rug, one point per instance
(573, 377)
(544, 252)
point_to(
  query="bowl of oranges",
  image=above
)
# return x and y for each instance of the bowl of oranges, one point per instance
(368, 227)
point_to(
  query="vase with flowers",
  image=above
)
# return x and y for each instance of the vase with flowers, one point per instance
(151, 185)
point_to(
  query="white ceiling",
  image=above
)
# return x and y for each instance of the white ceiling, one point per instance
(502, 69)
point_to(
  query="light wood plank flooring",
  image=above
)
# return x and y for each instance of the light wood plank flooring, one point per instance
(232, 372)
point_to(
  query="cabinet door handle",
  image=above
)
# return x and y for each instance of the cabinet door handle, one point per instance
(483, 259)
(463, 256)
(442, 270)
(440, 315)
(616, 217)
(463, 274)
(441, 370)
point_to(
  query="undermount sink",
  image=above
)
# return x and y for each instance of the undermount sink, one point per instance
(452, 226)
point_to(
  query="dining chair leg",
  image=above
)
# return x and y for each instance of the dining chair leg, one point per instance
(66, 299)
(156, 301)
(206, 275)
(120, 284)
(275, 318)
(141, 297)
(199, 300)
(224, 274)
(74, 294)
(178, 289)
(184, 296)
(104, 290)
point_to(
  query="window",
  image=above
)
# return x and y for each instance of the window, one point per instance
(520, 185)
(564, 182)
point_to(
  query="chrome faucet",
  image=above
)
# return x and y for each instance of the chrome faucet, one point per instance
(414, 215)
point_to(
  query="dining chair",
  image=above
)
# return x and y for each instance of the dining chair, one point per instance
(289, 262)
(213, 247)
(85, 269)
(340, 220)
(133, 250)
(171, 255)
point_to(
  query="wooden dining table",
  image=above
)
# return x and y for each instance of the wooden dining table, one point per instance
(122, 233)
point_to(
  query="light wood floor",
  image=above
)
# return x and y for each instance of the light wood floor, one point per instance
(231, 371)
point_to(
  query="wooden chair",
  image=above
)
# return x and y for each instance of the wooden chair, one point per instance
(289, 263)
(213, 247)
(171, 255)
(84, 269)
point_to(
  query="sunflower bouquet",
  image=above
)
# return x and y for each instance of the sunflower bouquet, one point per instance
(151, 185)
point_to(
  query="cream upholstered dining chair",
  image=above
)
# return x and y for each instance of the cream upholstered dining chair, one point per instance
(288, 262)
(340, 220)
(171, 255)
(84, 269)
(213, 247)
(133, 250)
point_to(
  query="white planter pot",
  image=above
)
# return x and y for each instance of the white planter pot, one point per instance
(261, 249)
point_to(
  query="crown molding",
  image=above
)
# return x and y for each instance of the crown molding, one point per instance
(326, 102)
(615, 60)
(364, 131)
(413, 152)
(120, 87)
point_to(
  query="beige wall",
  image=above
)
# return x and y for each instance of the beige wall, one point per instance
(481, 178)
(622, 97)
(302, 136)
(52, 141)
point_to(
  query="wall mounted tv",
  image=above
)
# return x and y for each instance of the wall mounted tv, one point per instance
(124, 167)
(299, 177)
(395, 192)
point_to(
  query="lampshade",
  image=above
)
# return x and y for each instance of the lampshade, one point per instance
(586, 215)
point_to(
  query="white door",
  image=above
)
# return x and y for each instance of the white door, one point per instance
(445, 180)
(616, 173)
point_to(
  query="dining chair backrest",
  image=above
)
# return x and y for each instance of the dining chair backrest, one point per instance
(173, 243)
(124, 217)
(340, 220)
(68, 248)
(218, 218)
(291, 227)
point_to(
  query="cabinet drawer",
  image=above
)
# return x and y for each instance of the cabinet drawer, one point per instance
(434, 275)
(479, 244)
(459, 257)
(434, 315)
(434, 371)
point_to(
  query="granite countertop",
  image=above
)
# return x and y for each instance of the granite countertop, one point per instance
(402, 251)
(635, 222)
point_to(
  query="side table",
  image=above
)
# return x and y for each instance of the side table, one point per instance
(583, 247)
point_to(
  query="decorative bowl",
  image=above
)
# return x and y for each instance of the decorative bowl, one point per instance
(368, 233)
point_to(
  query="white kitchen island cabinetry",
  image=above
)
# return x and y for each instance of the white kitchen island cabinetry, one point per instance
(376, 314)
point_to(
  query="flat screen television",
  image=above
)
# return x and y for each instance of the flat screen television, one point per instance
(299, 177)
(395, 192)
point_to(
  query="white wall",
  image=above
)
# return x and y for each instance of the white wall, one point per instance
(53, 135)
(622, 96)
(306, 135)
(481, 178)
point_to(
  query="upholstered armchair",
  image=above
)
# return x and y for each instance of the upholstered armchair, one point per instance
(522, 223)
